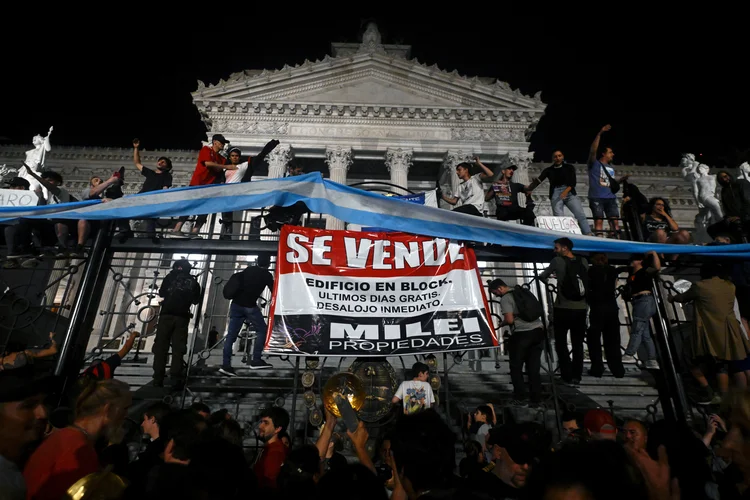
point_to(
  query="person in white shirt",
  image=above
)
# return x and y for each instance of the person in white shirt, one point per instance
(471, 189)
(416, 393)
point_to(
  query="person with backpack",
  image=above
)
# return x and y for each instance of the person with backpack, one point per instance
(569, 313)
(522, 311)
(180, 291)
(244, 289)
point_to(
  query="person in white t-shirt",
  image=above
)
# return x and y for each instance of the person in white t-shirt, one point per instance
(416, 393)
(471, 189)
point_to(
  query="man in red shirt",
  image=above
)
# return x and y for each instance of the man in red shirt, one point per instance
(272, 421)
(210, 165)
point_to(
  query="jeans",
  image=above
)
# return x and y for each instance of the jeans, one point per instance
(238, 315)
(644, 307)
(526, 348)
(575, 321)
(574, 205)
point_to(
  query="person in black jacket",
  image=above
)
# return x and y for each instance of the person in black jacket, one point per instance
(505, 193)
(562, 190)
(604, 318)
(180, 291)
(244, 290)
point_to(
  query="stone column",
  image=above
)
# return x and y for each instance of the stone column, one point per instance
(278, 159)
(521, 159)
(398, 162)
(338, 159)
(448, 179)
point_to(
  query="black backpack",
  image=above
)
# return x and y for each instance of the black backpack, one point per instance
(529, 307)
(576, 282)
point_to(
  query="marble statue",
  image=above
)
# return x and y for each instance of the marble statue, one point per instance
(744, 172)
(35, 161)
(704, 187)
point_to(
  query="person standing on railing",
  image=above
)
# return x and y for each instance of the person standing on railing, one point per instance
(241, 172)
(570, 308)
(156, 180)
(562, 190)
(602, 200)
(210, 165)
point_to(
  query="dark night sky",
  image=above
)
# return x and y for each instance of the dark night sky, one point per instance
(668, 83)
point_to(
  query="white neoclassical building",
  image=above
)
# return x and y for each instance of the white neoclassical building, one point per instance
(367, 112)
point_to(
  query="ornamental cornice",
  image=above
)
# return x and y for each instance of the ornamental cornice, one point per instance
(213, 109)
(245, 80)
(103, 154)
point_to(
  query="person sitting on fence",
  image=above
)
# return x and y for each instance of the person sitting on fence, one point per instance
(471, 190)
(660, 227)
(505, 193)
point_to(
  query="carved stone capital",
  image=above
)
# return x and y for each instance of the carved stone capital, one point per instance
(453, 158)
(278, 160)
(338, 158)
(521, 159)
(398, 159)
(280, 156)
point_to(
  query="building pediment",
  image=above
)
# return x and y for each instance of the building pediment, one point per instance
(366, 78)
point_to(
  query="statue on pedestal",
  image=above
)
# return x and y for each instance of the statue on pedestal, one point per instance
(704, 189)
(35, 161)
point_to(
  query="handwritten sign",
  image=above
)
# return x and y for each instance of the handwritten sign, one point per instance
(17, 198)
(560, 224)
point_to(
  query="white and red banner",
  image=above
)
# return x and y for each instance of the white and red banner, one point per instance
(350, 293)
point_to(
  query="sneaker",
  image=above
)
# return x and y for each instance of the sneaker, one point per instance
(228, 371)
(31, 263)
(259, 365)
(574, 383)
(519, 403)
(651, 364)
(10, 264)
(626, 358)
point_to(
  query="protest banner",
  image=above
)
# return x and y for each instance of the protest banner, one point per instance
(348, 293)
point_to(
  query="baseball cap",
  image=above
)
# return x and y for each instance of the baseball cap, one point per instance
(495, 284)
(599, 421)
(525, 442)
(220, 138)
(512, 167)
(232, 150)
(18, 182)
